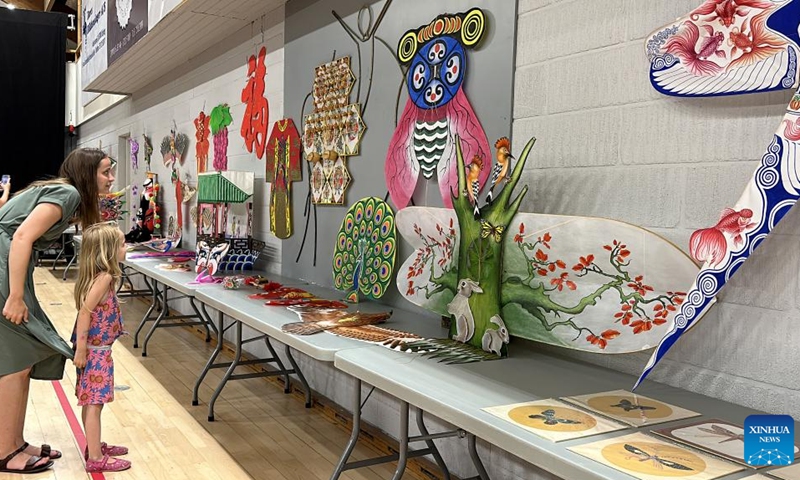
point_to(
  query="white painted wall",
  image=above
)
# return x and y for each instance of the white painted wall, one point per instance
(609, 145)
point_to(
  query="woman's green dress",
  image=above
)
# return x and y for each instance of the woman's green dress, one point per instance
(35, 343)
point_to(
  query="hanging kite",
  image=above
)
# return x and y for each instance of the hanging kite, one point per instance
(363, 260)
(437, 109)
(283, 168)
(220, 119)
(173, 149)
(256, 114)
(134, 145)
(770, 194)
(148, 150)
(201, 135)
(725, 47)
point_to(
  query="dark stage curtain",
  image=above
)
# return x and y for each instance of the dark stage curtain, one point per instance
(32, 83)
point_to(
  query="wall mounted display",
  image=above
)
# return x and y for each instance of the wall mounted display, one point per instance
(792, 472)
(329, 178)
(256, 113)
(724, 47)
(437, 109)
(720, 437)
(283, 168)
(173, 151)
(112, 205)
(767, 197)
(134, 150)
(363, 259)
(220, 119)
(202, 130)
(148, 151)
(554, 419)
(148, 219)
(332, 131)
(226, 216)
(578, 282)
(649, 458)
(630, 408)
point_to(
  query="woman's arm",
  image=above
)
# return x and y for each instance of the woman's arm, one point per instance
(99, 289)
(43, 216)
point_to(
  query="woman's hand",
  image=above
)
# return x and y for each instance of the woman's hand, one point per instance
(80, 357)
(15, 310)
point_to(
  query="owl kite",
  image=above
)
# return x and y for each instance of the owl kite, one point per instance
(437, 109)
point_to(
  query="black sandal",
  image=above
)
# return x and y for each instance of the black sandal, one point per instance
(49, 452)
(30, 465)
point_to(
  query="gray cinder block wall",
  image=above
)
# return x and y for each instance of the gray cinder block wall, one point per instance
(609, 145)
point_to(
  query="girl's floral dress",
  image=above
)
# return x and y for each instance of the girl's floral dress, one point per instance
(95, 384)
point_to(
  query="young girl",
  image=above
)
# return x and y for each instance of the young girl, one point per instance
(99, 323)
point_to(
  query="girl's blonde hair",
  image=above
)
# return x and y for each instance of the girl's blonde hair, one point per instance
(99, 248)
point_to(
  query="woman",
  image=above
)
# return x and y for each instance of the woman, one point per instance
(30, 347)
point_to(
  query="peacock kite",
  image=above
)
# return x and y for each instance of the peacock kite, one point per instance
(363, 260)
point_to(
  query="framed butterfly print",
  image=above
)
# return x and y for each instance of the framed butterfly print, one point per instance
(630, 408)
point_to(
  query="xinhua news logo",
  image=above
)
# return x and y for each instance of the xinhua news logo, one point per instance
(769, 440)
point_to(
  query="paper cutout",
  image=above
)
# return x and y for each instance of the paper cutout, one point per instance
(173, 149)
(726, 47)
(226, 215)
(319, 320)
(437, 109)
(332, 132)
(256, 113)
(554, 419)
(201, 125)
(134, 146)
(649, 458)
(148, 151)
(719, 437)
(283, 168)
(768, 196)
(112, 205)
(363, 259)
(220, 119)
(630, 408)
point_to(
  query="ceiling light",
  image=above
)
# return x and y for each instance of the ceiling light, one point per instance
(10, 6)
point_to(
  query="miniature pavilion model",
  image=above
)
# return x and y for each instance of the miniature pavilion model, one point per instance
(225, 215)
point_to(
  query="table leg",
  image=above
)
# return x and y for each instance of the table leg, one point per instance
(202, 318)
(476, 459)
(287, 386)
(403, 442)
(158, 320)
(211, 359)
(237, 357)
(351, 444)
(154, 303)
(434, 451)
(299, 374)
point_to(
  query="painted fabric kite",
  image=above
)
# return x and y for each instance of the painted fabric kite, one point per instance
(148, 151)
(770, 194)
(437, 109)
(256, 113)
(173, 150)
(134, 145)
(220, 119)
(283, 168)
(726, 47)
(363, 259)
(201, 135)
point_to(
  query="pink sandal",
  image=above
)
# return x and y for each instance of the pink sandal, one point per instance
(106, 449)
(99, 466)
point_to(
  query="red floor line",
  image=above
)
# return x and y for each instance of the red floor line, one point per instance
(74, 424)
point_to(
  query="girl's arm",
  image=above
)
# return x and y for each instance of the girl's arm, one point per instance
(43, 216)
(99, 289)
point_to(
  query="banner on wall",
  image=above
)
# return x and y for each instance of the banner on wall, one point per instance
(127, 24)
(94, 59)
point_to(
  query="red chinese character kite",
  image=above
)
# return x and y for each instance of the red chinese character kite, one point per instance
(256, 114)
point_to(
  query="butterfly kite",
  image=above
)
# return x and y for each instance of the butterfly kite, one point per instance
(437, 109)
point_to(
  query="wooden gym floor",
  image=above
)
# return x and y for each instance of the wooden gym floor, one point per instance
(260, 432)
